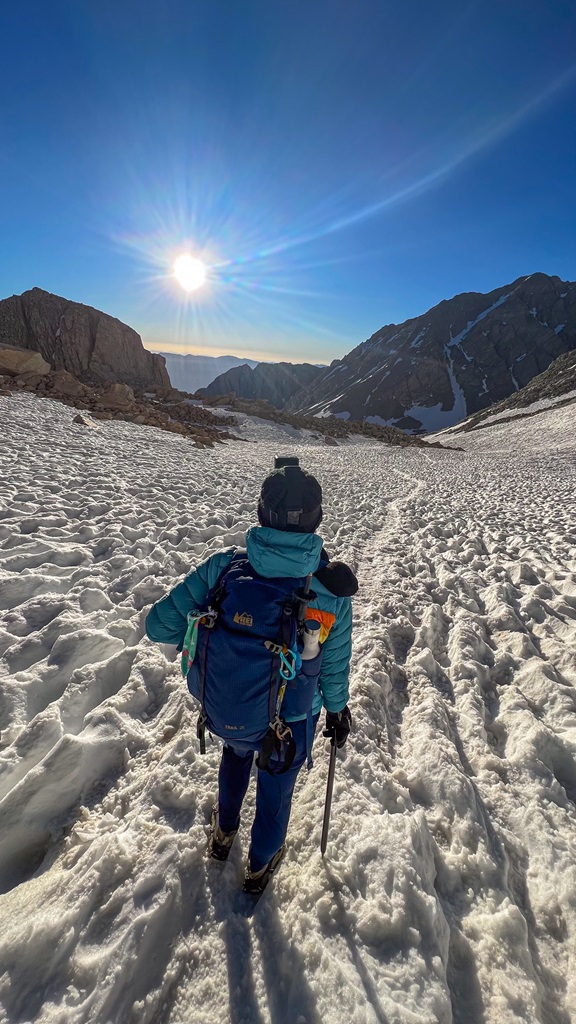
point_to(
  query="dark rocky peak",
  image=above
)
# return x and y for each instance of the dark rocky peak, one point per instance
(273, 382)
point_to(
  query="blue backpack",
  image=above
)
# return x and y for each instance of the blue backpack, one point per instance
(247, 671)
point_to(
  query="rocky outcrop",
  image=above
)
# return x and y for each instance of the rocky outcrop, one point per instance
(91, 345)
(164, 407)
(271, 382)
(462, 356)
(556, 386)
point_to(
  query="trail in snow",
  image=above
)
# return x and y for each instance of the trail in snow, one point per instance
(448, 889)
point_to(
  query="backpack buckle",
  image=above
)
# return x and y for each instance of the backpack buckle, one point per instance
(272, 647)
(281, 729)
(288, 659)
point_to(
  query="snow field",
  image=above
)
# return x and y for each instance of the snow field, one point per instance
(488, 733)
(448, 890)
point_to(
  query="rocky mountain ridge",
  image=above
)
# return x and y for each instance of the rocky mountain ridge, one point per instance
(458, 358)
(271, 382)
(91, 345)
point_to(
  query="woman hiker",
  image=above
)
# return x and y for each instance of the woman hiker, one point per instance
(282, 586)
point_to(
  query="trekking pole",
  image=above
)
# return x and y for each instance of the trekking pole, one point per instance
(328, 801)
(304, 596)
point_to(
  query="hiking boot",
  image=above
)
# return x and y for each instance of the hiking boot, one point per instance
(219, 842)
(256, 881)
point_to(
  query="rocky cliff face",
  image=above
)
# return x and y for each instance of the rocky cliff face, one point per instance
(274, 382)
(89, 344)
(462, 356)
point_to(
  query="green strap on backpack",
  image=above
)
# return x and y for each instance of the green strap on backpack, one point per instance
(190, 641)
(190, 644)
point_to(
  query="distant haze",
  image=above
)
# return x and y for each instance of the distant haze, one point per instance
(190, 372)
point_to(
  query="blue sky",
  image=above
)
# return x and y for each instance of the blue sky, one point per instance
(336, 165)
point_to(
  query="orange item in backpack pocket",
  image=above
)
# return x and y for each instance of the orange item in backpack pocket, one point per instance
(326, 620)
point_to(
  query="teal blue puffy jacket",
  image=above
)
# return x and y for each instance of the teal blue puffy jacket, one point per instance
(272, 553)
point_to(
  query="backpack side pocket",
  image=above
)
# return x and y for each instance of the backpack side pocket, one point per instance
(300, 692)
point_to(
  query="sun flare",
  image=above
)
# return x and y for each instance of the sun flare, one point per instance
(189, 272)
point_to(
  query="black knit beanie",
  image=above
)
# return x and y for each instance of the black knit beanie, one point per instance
(291, 499)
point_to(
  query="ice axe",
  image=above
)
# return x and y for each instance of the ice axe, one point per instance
(328, 801)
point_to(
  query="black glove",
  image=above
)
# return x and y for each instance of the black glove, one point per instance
(338, 725)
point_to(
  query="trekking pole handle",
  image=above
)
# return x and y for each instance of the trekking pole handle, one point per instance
(305, 595)
(328, 801)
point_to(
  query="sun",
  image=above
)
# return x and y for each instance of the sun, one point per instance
(189, 272)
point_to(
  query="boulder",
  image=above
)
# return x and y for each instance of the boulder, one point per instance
(63, 383)
(169, 394)
(85, 421)
(117, 396)
(30, 380)
(330, 440)
(16, 361)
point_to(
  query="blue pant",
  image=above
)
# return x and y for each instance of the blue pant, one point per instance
(273, 797)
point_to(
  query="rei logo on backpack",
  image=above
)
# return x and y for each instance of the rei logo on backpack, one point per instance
(246, 667)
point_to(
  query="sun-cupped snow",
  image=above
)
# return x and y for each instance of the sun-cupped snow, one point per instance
(448, 890)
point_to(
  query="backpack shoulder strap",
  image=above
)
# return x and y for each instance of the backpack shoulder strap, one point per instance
(215, 593)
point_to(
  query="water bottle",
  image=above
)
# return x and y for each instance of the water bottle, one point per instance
(311, 639)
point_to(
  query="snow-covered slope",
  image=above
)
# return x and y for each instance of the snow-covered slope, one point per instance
(448, 892)
(548, 425)
(555, 387)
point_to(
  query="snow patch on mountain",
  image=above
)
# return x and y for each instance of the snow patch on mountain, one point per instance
(435, 418)
(459, 338)
(419, 338)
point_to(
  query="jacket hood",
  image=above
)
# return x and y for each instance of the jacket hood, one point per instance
(275, 553)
